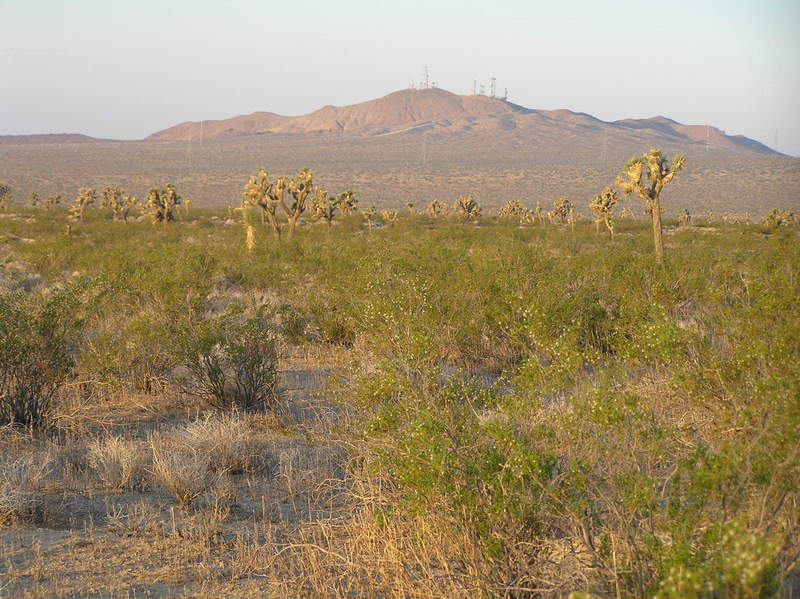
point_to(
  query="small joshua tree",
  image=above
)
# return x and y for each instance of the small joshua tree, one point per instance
(437, 208)
(266, 195)
(659, 173)
(625, 213)
(513, 209)
(775, 218)
(299, 188)
(539, 213)
(162, 204)
(410, 207)
(324, 207)
(33, 199)
(467, 208)
(111, 199)
(370, 214)
(562, 209)
(5, 195)
(390, 216)
(127, 203)
(347, 202)
(86, 197)
(52, 201)
(685, 217)
(602, 206)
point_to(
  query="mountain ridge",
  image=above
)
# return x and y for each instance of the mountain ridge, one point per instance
(411, 110)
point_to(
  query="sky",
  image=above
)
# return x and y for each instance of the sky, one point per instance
(125, 69)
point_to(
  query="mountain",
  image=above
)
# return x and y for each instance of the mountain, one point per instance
(49, 138)
(411, 111)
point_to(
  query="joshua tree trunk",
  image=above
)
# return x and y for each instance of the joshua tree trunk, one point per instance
(597, 227)
(273, 222)
(657, 237)
(291, 225)
(609, 227)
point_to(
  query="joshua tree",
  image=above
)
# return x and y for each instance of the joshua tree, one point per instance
(390, 216)
(562, 209)
(162, 204)
(370, 214)
(52, 201)
(685, 217)
(33, 199)
(324, 207)
(5, 196)
(347, 202)
(86, 197)
(111, 199)
(124, 209)
(625, 213)
(437, 208)
(266, 195)
(467, 208)
(659, 173)
(186, 203)
(539, 214)
(776, 218)
(602, 207)
(410, 207)
(513, 209)
(300, 187)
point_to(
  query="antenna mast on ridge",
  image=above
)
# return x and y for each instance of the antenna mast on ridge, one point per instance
(426, 79)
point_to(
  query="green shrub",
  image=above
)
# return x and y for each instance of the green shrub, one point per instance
(38, 342)
(232, 360)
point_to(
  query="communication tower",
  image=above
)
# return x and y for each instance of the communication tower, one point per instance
(425, 83)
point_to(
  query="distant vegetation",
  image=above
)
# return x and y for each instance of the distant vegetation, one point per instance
(523, 407)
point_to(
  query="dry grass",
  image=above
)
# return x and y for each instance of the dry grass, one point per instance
(20, 482)
(119, 463)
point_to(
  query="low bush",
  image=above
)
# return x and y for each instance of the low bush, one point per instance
(38, 340)
(232, 361)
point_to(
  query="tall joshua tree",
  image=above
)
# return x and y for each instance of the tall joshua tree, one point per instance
(602, 206)
(646, 176)
(266, 195)
(300, 188)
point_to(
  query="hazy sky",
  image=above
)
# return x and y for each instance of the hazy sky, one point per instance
(124, 69)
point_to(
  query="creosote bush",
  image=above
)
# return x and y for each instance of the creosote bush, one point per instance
(38, 343)
(231, 360)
